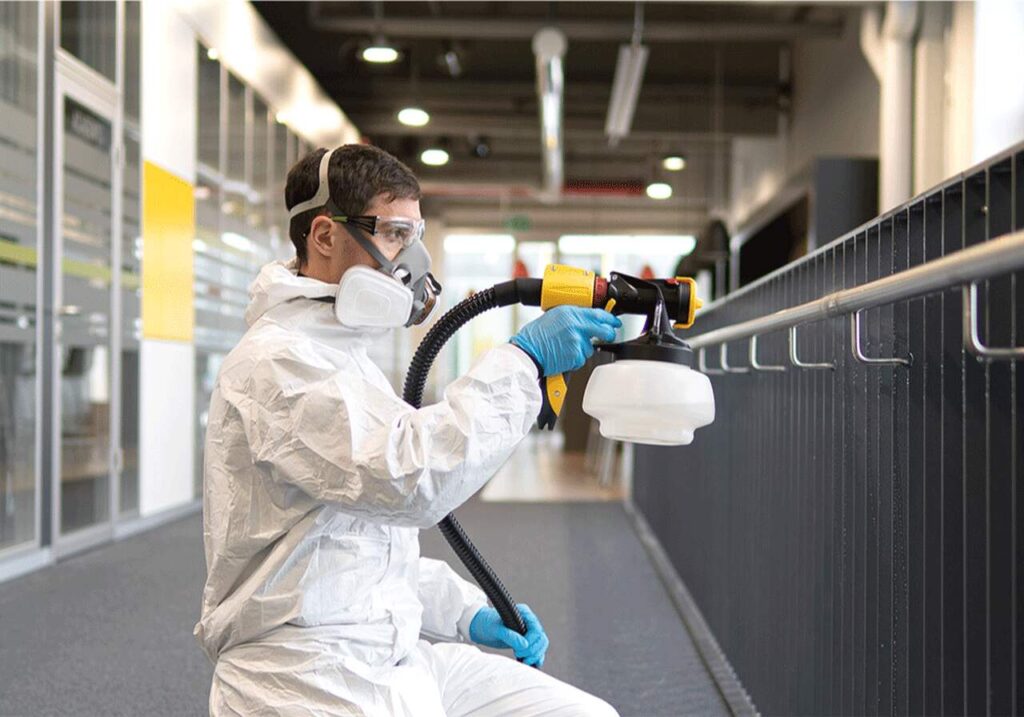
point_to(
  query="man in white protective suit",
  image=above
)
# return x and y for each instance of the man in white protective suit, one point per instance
(318, 477)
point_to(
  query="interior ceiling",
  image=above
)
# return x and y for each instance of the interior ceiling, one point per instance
(713, 73)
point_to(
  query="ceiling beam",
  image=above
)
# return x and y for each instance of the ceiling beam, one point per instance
(371, 90)
(384, 124)
(483, 28)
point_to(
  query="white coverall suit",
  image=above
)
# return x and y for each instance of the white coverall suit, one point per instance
(318, 478)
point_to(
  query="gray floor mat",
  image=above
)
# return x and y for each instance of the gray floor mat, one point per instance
(110, 632)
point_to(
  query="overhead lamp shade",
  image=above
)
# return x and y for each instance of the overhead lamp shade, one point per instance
(380, 54)
(413, 117)
(659, 190)
(434, 157)
(659, 403)
(674, 163)
(629, 75)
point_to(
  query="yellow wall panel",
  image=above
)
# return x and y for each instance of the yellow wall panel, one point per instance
(168, 228)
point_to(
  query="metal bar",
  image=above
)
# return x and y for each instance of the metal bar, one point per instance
(757, 365)
(484, 28)
(858, 352)
(795, 359)
(998, 256)
(972, 338)
(723, 359)
(703, 367)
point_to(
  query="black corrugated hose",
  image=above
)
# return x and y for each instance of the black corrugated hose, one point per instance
(415, 380)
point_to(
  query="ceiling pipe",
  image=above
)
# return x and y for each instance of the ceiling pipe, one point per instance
(549, 45)
(506, 28)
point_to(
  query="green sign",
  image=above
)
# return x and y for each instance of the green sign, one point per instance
(518, 223)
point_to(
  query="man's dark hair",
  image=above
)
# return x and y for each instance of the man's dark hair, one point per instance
(357, 173)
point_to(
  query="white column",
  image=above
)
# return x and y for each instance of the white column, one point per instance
(998, 76)
(167, 410)
(890, 52)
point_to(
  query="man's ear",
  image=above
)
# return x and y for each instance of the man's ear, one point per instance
(321, 240)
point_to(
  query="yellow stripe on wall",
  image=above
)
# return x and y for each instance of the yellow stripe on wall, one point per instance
(168, 228)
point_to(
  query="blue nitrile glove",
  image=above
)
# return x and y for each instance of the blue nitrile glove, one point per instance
(560, 339)
(487, 629)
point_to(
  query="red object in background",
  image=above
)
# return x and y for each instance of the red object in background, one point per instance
(604, 188)
(519, 270)
(647, 272)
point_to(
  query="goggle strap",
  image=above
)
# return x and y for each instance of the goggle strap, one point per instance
(371, 249)
(323, 190)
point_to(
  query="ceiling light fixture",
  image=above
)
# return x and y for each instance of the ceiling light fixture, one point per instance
(674, 163)
(413, 117)
(451, 60)
(379, 54)
(659, 190)
(629, 75)
(434, 157)
(212, 54)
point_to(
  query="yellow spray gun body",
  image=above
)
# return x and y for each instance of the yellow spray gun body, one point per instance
(564, 285)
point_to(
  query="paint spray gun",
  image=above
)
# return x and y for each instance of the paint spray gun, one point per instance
(648, 393)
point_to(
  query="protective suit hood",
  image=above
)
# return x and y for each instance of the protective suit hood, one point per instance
(278, 282)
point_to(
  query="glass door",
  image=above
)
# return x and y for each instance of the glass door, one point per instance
(87, 211)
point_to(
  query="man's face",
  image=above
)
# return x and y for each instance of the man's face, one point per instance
(341, 251)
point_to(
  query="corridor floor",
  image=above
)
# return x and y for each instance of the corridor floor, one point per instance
(109, 632)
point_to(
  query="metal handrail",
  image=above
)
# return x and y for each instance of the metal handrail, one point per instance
(982, 261)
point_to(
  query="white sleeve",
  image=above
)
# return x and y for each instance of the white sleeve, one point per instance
(449, 602)
(347, 442)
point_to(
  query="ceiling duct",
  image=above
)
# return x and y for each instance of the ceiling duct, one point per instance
(549, 45)
(629, 76)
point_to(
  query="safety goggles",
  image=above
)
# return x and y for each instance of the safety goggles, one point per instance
(392, 231)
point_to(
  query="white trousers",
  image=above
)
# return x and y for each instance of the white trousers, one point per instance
(443, 680)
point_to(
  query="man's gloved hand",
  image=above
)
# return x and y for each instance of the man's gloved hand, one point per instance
(560, 339)
(488, 629)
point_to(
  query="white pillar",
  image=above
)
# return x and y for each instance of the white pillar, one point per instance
(167, 367)
(998, 76)
(890, 52)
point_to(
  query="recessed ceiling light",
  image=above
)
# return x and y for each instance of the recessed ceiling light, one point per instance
(434, 157)
(379, 54)
(674, 163)
(659, 190)
(212, 53)
(413, 117)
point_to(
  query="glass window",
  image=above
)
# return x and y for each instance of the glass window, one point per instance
(208, 115)
(276, 210)
(236, 130)
(236, 187)
(293, 149)
(87, 31)
(535, 256)
(18, 254)
(131, 329)
(85, 390)
(260, 145)
(132, 59)
(473, 263)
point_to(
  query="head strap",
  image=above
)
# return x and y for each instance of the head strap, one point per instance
(323, 190)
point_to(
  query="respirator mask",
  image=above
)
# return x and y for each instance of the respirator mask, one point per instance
(401, 291)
